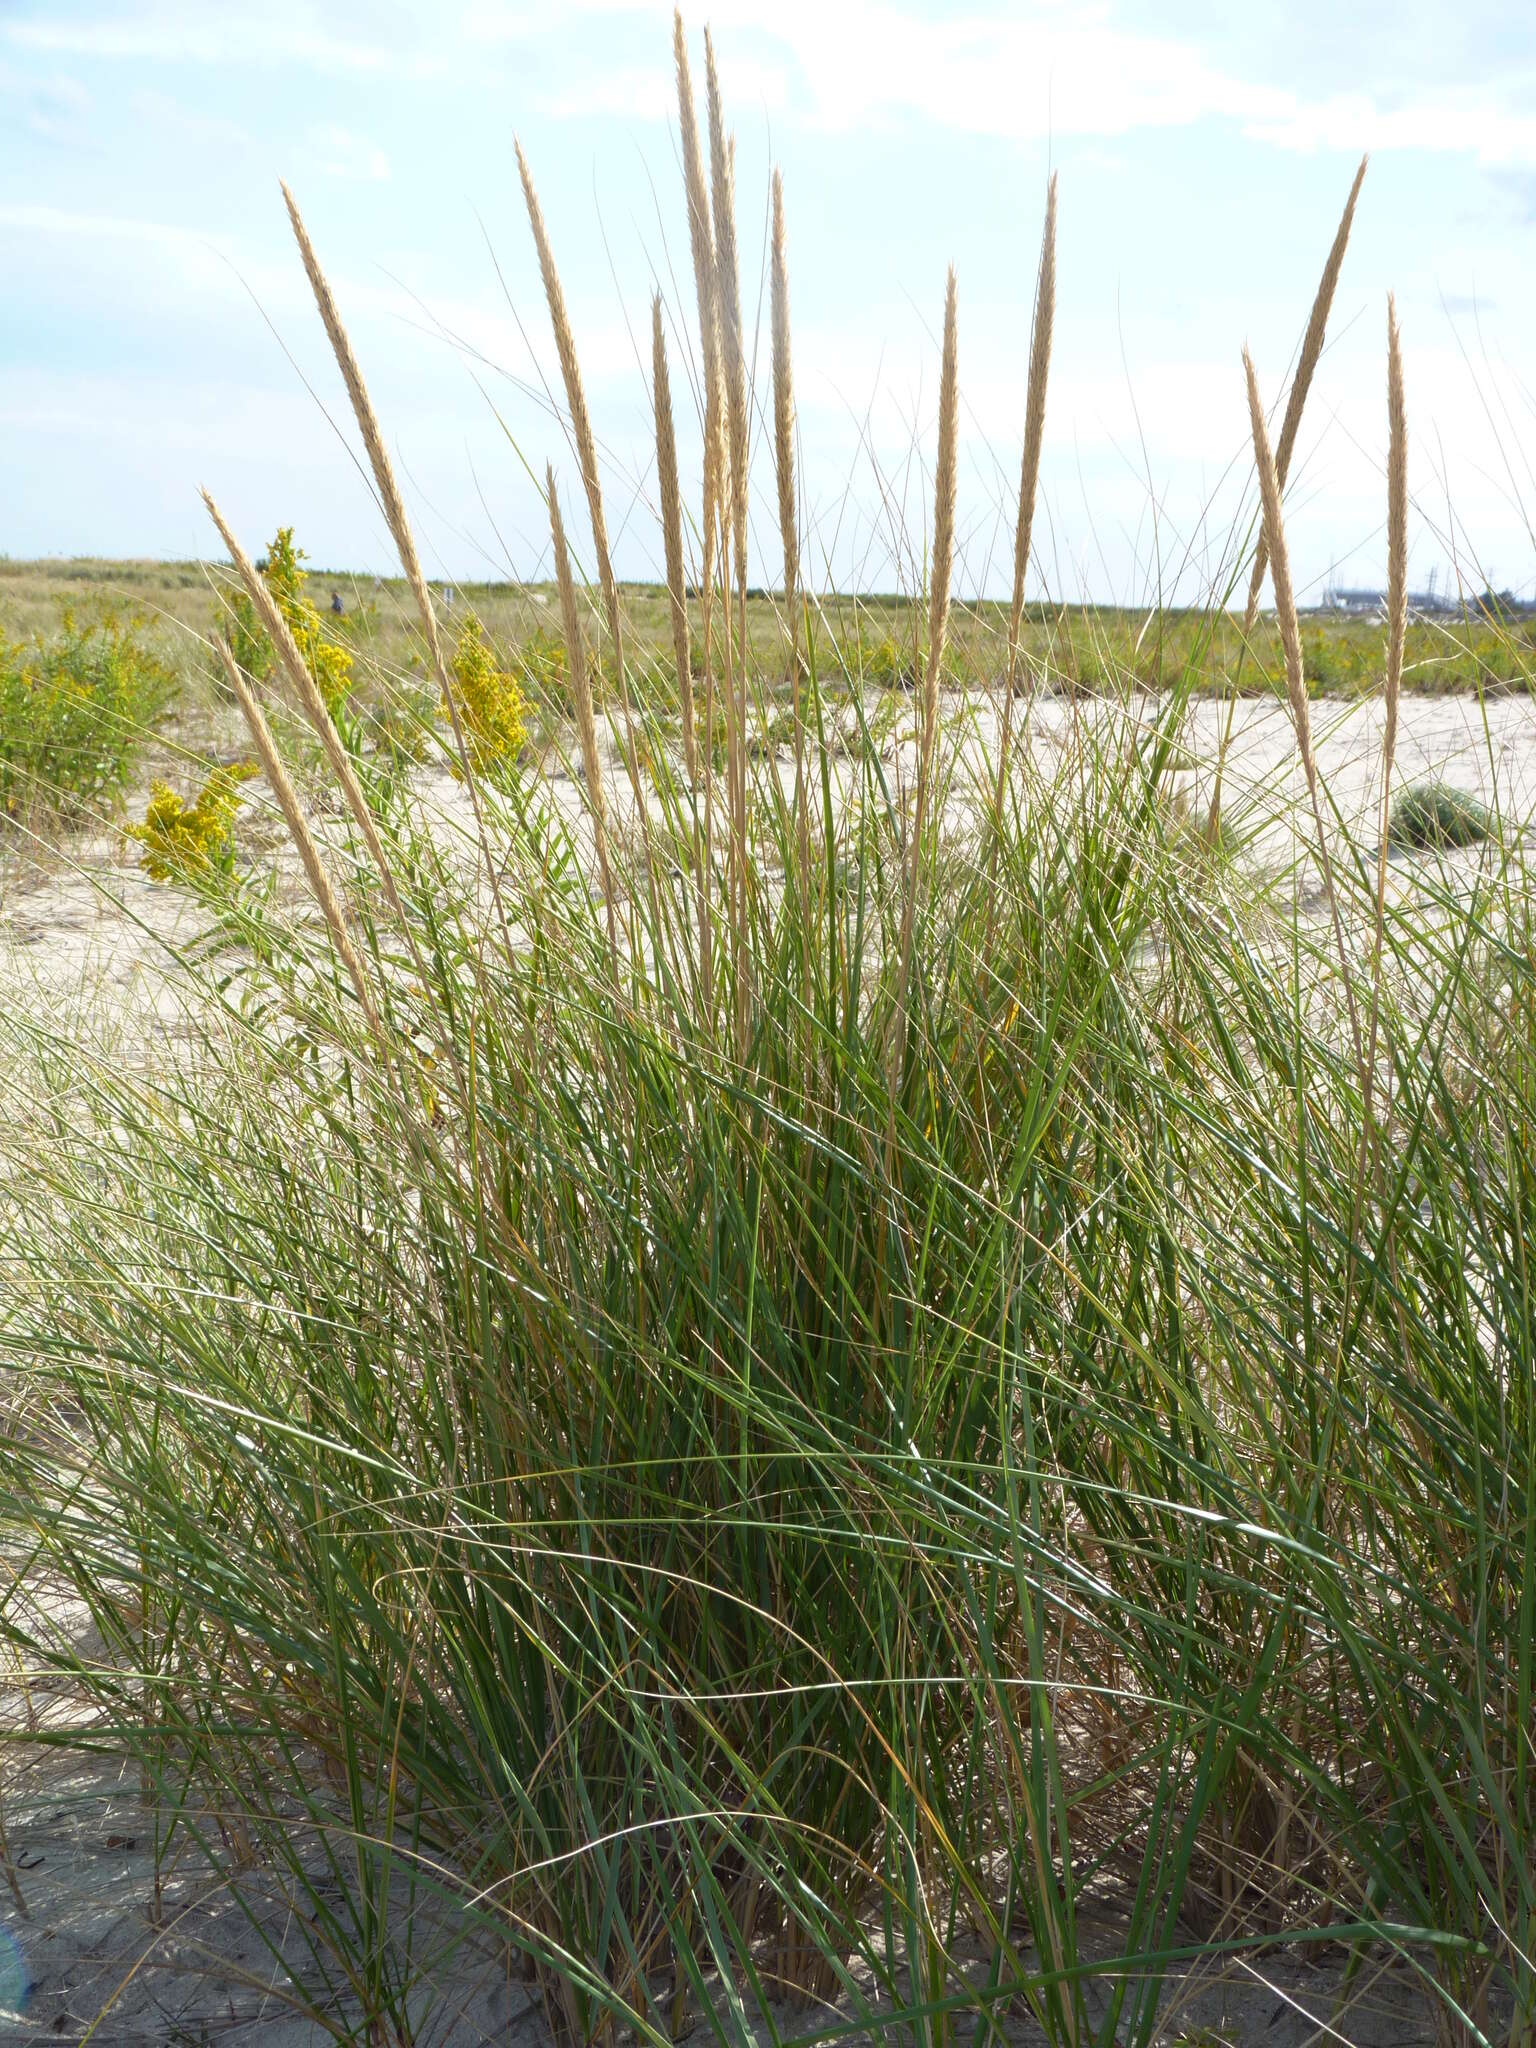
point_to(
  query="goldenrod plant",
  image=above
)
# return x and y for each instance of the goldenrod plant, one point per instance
(286, 578)
(192, 842)
(491, 704)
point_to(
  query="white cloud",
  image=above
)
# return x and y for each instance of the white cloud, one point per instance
(171, 33)
(1481, 129)
(646, 92)
(341, 154)
(1047, 71)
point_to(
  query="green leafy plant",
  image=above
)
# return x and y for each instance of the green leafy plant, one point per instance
(76, 707)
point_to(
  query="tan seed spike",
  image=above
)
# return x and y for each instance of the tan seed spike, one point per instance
(303, 839)
(576, 404)
(1285, 598)
(400, 531)
(733, 360)
(586, 716)
(702, 243)
(784, 463)
(275, 626)
(1397, 535)
(677, 591)
(784, 422)
(728, 300)
(941, 566)
(943, 555)
(1397, 628)
(672, 534)
(1295, 678)
(1029, 467)
(373, 441)
(1311, 350)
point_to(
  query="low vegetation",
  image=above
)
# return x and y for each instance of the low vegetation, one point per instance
(818, 1400)
(1431, 814)
(77, 706)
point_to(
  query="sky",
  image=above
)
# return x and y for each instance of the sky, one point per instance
(159, 334)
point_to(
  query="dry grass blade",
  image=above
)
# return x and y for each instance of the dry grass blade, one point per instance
(586, 715)
(576, 404)
(677, 592)
(303, 839)
(1285, 597)
(1397, 536)
(1029, 469)
(373, 441)
(275, 626)
(672, 535)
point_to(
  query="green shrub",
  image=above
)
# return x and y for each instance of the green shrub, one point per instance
(867, 658)
(545, 665)
(1434, 814)
(75, 709)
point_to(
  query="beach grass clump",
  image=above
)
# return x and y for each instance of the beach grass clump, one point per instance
(833, 1402)
(1435, 813)
(77, 707)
